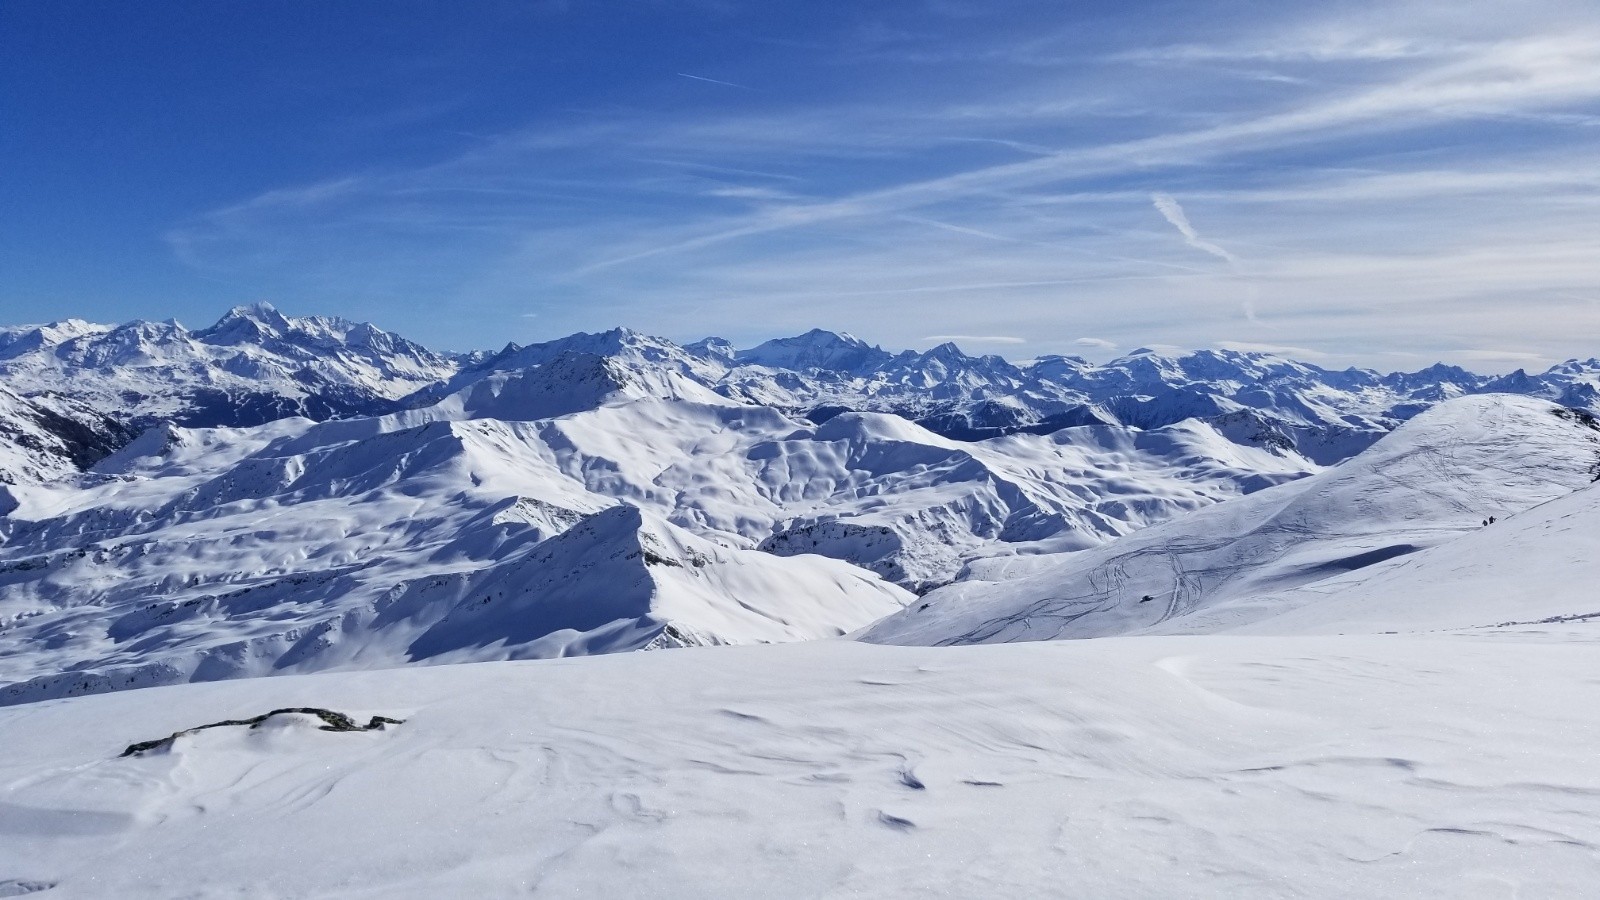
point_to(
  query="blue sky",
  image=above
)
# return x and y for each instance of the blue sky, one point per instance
(1383, 184)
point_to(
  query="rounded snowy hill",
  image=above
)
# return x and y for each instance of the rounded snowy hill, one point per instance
(1437, 480)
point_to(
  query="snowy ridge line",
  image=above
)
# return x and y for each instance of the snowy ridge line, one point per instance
(257, 365)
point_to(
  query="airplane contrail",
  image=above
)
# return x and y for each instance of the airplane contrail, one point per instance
(1168, 206)
(715, 81)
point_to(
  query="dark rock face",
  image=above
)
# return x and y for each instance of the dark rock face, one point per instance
(46, 437)
(211, 408)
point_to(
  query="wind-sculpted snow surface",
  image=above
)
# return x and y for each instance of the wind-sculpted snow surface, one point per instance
(1339, 550)
(1443, 766)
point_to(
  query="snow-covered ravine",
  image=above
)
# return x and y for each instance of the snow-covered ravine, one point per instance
(1446, 765)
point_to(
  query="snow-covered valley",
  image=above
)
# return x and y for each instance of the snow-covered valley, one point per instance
(1339, 620)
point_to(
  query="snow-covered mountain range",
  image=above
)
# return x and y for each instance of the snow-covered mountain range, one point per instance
(257, 365)
(1402, 566)
(1324, 415)
(276, 494)
(254, 365)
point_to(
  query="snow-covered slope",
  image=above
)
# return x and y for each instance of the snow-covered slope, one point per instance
(50, 437)
(610, 518)
(1434, 481)
(1538, 566)
(441, 541)
(916, 507)
(1173, 767)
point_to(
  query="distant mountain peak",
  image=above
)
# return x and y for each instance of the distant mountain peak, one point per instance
(713, 348)
(254, 321)
(261, 309)
(816, 349)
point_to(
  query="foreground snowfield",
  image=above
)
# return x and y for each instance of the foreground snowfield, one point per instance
(1441, 765)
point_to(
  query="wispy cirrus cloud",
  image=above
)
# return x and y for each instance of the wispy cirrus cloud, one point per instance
(976, 338)
(1015, 200)
(1274, 349)
(1321, 47)
(1519, 357)
(1532, 72)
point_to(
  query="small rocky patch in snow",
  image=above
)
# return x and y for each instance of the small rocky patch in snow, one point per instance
(332, 721)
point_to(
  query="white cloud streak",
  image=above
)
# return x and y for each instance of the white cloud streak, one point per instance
(1274, 349)
(1169, 208)
(977, 338)
(714, 81)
